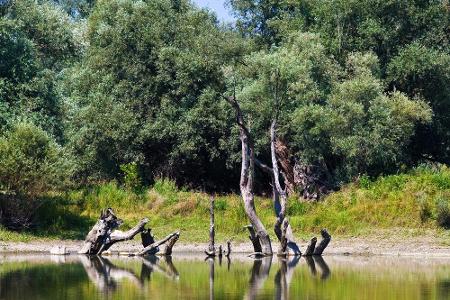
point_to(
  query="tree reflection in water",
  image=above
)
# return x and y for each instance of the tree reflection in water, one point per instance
(105, 275)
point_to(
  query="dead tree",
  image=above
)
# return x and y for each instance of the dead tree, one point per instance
(311, 246)
(326, 238)
(104, 234)
(153, 248)
(211, 251)
(283, 233)
(246, 181)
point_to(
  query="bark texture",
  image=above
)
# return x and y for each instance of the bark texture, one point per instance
(247, 178)
(104, 234)
(211, 251)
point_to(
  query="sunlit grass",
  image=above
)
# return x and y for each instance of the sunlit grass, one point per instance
(412, 204)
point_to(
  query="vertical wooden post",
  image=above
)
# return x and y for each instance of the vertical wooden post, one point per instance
(211, 248)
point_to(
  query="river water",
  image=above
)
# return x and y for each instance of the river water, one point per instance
(192, 277)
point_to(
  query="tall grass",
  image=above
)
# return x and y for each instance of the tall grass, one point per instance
(418, 200)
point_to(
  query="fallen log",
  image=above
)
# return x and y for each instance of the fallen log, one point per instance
(104, 234)
(152, 249)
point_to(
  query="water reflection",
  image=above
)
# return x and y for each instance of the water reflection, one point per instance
(189, 277)
(260, 272)
(106, 276)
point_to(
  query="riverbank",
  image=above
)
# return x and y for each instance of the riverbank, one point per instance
(389, 245)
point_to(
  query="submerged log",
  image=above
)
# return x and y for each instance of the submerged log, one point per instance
(326, 238)
(104, 234)
(211, 251)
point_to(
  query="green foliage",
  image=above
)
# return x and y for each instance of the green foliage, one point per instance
(148, 90)
(443, 212)
(31, 162)
(131, 177)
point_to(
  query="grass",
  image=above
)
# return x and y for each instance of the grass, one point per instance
(412, 204)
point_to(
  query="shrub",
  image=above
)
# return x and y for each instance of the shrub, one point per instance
(443, 212)
(131, 177)
(31, 164)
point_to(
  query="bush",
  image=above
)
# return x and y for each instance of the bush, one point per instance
(131, 177)
(443, 212)
(31, 164)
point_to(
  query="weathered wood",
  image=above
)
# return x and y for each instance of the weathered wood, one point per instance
(286, 237)
(211, 251)
(254, 239)
(169, 245)
(326, 238)
(147, 237)
(104, 234)
(154, 248)
(247, 178)
(227, 254)
(282, 251)
(311, 246)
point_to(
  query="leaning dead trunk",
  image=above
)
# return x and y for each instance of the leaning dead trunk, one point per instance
(246, 181)
(282, 227)
(104, 234)
(326, 238)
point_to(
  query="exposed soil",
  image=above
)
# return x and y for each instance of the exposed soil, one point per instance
(417, 246)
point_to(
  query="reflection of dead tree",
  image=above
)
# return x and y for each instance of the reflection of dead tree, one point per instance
(246, 182)
(211, 278)
(104, 234)
(151, 264)
(284, 276)
(106, 275)
(324, 269)
(260, 272)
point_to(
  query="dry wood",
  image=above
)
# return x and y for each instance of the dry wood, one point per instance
(247, 177)
(326, 238)
(169, 245)
(211, 251)
(104, 234)
(285, 237)
(311, 246)
(154, 248)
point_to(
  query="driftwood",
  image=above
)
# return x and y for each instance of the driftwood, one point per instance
(247, 177)
(153, 248)
(211, 251)
(104, 234)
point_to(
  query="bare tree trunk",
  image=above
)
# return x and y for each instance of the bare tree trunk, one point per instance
(311, 246)
(285, 237)
(103, 235)
(246, 182)
(326, 238)
(211, 248)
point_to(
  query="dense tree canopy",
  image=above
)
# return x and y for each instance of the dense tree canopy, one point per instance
(358, 87)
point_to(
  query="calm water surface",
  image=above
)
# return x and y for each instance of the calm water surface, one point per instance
(190, 277)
